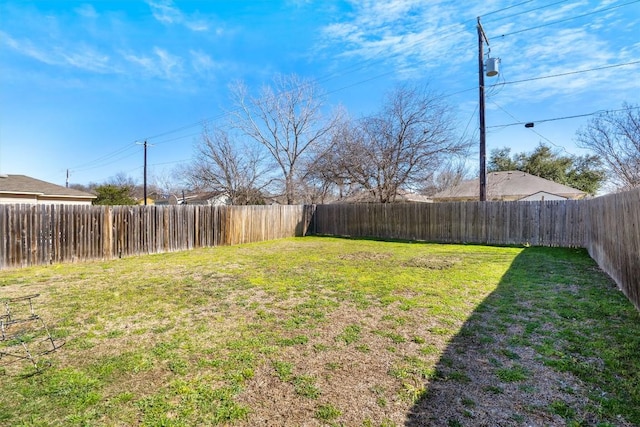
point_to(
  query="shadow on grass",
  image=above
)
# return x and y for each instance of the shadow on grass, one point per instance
(555, 344)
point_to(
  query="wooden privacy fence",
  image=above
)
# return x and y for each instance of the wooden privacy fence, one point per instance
(552, 223)
(613, 240)
(44, 234)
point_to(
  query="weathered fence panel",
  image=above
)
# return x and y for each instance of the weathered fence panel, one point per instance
(550, 223)
(613, 224)
(45, 234)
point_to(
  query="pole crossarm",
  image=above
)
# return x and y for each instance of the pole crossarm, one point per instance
(481, 32)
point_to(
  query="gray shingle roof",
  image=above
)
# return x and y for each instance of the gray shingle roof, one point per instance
(511, 185)
(22, 184)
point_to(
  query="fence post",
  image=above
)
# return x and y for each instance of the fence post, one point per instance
(107, 232)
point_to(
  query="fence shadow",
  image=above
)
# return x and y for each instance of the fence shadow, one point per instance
(497, 370)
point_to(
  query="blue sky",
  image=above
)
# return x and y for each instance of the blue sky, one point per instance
(83, 83)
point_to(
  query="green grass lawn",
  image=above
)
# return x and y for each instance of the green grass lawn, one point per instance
(325, 331)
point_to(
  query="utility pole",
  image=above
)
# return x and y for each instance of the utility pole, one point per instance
(144, 185)
(67, 178)
(492, 67)
(482, 37)
(145, 172)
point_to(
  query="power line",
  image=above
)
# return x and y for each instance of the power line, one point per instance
(171, 162)
(87, 165)
(568, 73)
(114, 160)
(546, 77)
(533, 130)
(570, 19)
(363, 64)
(564, 117)
(507, 8)
(526, 11)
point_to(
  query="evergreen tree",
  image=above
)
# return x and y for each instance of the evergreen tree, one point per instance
(109, 194)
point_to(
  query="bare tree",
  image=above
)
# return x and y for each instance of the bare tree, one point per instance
(286, 119)
(615, 138)
(327, 169)
(128, 184)
(403, 146)
(167, 184)
(222, 166)
(449, 175)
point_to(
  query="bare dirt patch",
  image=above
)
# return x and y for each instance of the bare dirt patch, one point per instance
(367, 378)
(432, 263)
(481, 385)
(366, 256)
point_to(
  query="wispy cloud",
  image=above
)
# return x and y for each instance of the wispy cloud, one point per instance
(90, 42)
(87, 11)
(169, 65)
(202, 62)
(80, 56)
(159, 63)
(558, 13)
(86, 58)
(165, 12)
(408, 34)
(28, 48)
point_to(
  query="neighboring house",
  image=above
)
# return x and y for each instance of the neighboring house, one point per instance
(24, 189)
(211, 199)
(510, 186)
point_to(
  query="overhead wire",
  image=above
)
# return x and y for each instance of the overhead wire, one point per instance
(383, 49)
(568, 73)
(533, 130)
(525, 12)
(105, 157)
(108, 160)
(509, 7)
(554, 119)
(606, 9)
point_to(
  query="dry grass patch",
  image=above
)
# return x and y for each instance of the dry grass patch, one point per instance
(432, 263)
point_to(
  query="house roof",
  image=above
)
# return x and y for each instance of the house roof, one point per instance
(22, 184)
(511, 185)
(201, 198)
